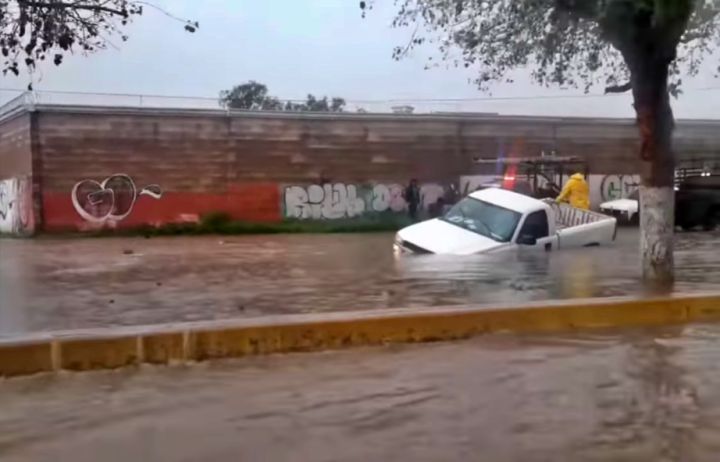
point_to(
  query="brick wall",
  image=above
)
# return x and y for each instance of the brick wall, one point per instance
(15, 151)
(126, 167)
(17, 215)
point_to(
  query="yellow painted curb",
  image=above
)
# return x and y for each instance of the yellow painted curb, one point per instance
(118, 347)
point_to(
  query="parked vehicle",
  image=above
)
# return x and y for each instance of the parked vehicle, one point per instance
(625, 210)
(493, 220)
(697, 202)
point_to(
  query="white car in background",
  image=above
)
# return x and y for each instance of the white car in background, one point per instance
(624, 210)
(494, 220)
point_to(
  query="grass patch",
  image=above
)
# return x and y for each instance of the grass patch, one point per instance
(223, 224)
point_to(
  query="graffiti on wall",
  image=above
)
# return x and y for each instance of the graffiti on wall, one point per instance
(16, 206)
(7, 200)
(110, 200)
(332, 201)
(614, 187)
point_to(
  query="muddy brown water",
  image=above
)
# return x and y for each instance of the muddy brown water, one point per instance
(641, 395)
(610, 395)
(48, 283)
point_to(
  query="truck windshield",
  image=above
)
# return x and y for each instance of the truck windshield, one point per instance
(483, 218)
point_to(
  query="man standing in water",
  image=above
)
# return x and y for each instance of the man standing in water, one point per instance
(576, 192)
(412, 197)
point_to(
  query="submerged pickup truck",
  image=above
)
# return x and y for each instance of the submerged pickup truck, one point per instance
(494, 220)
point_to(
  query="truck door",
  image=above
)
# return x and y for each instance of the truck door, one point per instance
(535, 232)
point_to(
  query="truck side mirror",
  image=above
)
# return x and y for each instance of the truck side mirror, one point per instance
(526, 239)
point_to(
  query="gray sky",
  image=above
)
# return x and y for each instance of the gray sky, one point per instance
(309, 46)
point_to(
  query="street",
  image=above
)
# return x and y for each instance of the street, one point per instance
(57, 284)
(605, 395)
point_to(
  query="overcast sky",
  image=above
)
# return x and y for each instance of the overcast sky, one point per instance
(297, 47)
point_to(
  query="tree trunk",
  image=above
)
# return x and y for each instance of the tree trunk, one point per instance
(657, 193)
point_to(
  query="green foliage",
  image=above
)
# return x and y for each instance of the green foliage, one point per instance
(35, 30)
(312, 104)
(249, 95)
(254, 96)
(564, 42)
(215, 221)
(220, 223)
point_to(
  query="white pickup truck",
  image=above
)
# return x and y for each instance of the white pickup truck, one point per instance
(494, 219)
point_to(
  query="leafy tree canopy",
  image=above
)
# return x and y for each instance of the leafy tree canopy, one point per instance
(38, 30)
(566, 42)
(253, 95)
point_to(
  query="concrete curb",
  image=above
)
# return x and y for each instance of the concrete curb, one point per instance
(110, 348)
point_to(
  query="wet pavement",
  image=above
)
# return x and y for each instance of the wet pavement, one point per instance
(52, 283)
(633, 395)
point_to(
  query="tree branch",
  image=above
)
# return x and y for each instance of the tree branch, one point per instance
(618, 88)
(62, 5)
(582, 10)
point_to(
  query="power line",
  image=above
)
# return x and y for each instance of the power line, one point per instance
(361, 101)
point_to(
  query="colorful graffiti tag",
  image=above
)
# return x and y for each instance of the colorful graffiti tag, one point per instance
(7, 200)
(615, 187)
(111, 200)
(16, 214)
(332, 201)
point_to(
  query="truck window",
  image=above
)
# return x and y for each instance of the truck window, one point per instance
(536, 225)
(483, 218)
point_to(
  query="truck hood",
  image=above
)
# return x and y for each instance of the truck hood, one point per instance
(441, 237)
(622, 205)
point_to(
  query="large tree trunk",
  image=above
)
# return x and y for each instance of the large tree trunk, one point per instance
(657, 193)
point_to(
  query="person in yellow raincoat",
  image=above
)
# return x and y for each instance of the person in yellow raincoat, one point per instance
(576, 192)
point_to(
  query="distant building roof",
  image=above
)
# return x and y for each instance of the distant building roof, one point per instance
(529, 160)
(465, 113)
(403, 109)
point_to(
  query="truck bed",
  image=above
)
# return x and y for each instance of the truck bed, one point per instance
(582, 228)
(567, 216)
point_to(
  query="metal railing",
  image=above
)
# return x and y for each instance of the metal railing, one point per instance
(533, 107)
(449, 106)
(567, 216)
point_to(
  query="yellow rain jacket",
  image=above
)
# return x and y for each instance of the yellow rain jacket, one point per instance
(576, 192)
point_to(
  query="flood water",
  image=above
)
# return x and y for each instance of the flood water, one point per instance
(639, 395)
(50, 283)
(609, 395)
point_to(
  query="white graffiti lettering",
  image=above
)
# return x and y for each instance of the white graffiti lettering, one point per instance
(339, 200)
(6, 200)
(618, 186)
(329, 201)
(429, 194)
(111, 200)
(388, 197)
(16, 206)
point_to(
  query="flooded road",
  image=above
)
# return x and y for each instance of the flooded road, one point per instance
(51, 283)
(620, 395)
(640, 395)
